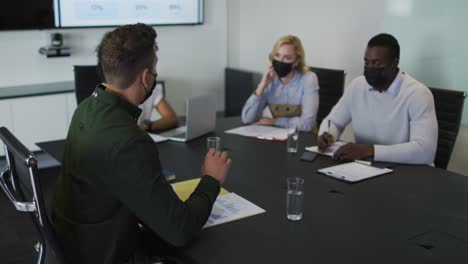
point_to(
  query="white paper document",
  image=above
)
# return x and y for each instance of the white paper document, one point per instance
(261, 132)
(157, 138)
(353, 171)
(230, 207)
(329, 151)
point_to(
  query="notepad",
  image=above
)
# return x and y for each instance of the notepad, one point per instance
(353, 171)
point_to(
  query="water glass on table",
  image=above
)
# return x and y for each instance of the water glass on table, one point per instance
(213, 142)
(295, 198)
(293, 139)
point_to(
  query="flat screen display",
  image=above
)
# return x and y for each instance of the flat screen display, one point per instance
(47, 14)
(99, 13)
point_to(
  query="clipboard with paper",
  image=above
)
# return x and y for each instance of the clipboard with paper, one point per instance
(353, 171)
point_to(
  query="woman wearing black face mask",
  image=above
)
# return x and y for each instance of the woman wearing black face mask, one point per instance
(288, 92)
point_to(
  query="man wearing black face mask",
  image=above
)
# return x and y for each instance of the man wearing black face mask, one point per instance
(111, 181)
(392, 114)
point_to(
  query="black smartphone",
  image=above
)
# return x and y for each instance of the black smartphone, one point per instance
(308, 156)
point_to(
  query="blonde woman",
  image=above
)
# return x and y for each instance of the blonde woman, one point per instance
(288, 91)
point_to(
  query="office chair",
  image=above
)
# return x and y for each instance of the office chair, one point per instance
(86, 79)
(21, 185)
(331, 84)
(88, 76)
(449, 110)
(238, 86)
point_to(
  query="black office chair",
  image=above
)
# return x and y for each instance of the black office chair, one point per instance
(88, 76)
(331, 84)
(86, 79)
(21, 184)
(238, 86)
(449, 110)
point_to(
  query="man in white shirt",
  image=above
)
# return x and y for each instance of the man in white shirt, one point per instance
(392, 114)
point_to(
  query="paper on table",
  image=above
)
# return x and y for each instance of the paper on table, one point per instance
(262, 132)
(231, 207)
(157, 138)
(329, 151)
(185, 189)
(353, 171)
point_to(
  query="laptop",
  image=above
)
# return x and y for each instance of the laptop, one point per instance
(200, 119)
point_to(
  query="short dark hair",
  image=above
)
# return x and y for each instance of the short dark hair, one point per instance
(388, 41)
(125, 51)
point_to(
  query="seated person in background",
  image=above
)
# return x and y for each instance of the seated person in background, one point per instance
(111, 181)
(157, 113)
(392, 114)
(287, 88)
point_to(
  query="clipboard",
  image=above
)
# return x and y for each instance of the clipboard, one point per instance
(353, 172)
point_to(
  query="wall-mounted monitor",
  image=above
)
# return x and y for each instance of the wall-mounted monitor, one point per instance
(101, 13)
(45, 14)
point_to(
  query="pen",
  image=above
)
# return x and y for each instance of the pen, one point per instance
(363, 162)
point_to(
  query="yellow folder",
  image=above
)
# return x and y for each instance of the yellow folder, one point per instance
(185, 188)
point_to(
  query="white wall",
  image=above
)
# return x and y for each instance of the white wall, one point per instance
(334, 33)
(192, 58)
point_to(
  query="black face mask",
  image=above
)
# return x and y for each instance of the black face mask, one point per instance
(150, 92)
(375, 77)
(282, 68)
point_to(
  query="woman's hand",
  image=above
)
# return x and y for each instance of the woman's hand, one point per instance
(266, 121)
(268, 76)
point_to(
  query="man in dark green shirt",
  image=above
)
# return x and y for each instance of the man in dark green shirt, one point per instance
(111, 175)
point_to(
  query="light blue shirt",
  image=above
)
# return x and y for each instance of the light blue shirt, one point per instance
(302, 90)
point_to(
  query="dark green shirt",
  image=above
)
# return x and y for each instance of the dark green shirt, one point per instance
(111, 180)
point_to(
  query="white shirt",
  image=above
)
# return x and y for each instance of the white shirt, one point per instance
(148, 112)
(400, 122)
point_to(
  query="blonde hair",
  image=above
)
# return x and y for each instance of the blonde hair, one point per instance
(296, 42)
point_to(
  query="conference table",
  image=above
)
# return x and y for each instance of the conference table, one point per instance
(417, 214)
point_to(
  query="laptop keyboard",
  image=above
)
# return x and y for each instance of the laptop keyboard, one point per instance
(178, 132)
(180, 135)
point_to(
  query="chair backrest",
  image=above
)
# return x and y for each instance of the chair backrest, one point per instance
(449, 110)
(86, 79)
(331, 84)
(88, 76)
(20, 183)
(238, 86)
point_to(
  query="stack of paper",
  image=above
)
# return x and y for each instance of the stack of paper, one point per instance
(228, 206)
(261, 132)
(330, 150)
(231, 207)
(157, 138)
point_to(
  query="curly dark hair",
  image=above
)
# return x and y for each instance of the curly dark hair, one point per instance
(125, 52)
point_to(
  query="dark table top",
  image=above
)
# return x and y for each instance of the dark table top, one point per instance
(417, 214)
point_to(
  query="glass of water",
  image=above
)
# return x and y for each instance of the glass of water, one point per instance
(295, 198)
(293, 139)
(213, 142)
